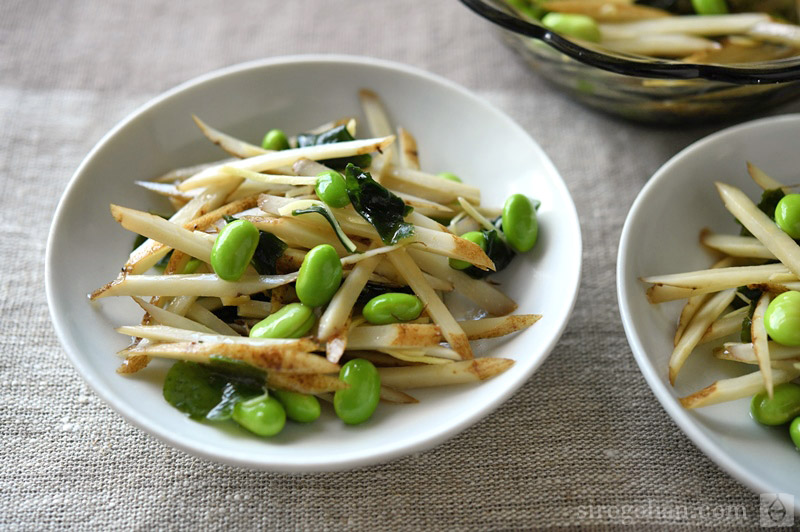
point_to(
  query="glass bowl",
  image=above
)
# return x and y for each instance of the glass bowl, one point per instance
(641, 88)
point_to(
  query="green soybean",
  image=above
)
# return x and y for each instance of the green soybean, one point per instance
(449, 176)
(291, 321)
(710, 7)
(357, 403)
(331, 189)
(782, 318)
(476, 237)
(787, 215)
(299, 406)
(794, 432)
(262, 415)
(781, 409)
(578, 26)
(519, 222)
(234, 247)
(392, 307)
(319, 277)
(276, 140)
(192, 266)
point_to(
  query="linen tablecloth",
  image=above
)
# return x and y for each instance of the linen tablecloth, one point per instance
(584, 442)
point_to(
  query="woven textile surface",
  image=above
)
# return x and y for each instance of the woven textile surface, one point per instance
(584, 442)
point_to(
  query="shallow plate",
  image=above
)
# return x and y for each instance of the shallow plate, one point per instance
(456, 132)
(659, 237)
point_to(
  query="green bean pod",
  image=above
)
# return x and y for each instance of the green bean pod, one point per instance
(233, 249)
(320, 276)
(299, 407)
(290, 321)
(357, 403)
(261, 415)
(781, 409)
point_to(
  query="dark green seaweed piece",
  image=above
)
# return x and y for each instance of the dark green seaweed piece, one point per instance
(377, 205)
(497, 250)
(340, 234)
(269, 250)
(769, 200)
(371, 290)
(336, 134)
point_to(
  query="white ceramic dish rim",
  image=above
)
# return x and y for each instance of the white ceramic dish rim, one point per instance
(379, 455)
(682, 417)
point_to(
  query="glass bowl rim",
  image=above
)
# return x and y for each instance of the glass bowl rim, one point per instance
(767, 72)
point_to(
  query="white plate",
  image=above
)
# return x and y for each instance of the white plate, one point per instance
(456, 131)
(660, 236)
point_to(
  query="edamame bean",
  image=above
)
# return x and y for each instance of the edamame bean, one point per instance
(299, 406)
(331, 189)
(276, 140)
(782, 318)
(392, 308)
(519, 221)
(449, 176)
(319, 277)
(787, 215)
(710, 7)
(291, 321)
(262, 415)
(192, 266)
(794, 432)
(476, 237)
(782, 408)
(233, 249)
(578, 26)
(357, 403)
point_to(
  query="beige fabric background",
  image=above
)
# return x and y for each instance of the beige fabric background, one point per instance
(583, 442)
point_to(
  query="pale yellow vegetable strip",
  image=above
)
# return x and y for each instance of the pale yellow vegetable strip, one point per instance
(374, 337)
(150, 252)
(723, 354)
(423, 206)
(164, 231)
(761, 226)
(390, 395)
(251, 188)
(297, 233)
(776, 32)
(605, 11)
(202, 315)
(418, 356)
(478, 291)
(724, 326)
(694, 303)
(425, 185)
(495, 327)
(736, 246)
(379, 125)
(269, 161)
(719, 277)
(232, 145)
(434, 306)
(706, 25)
(420, 220)
(736, 388)
(165, 317)
(663, 45)
(388, 271)
(290, 359)
(254, 309)
(465, 371)
(758, 332)
(333, 320)
(168, 189)
(746, 353)
(696, 328)
(409, 156)
(763, 180)
(179, 174)
(473, 213)
(205, 284)
(308, 383)
(269, 179)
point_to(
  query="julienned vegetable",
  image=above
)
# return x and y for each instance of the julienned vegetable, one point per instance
(760, 279)
(280, 267)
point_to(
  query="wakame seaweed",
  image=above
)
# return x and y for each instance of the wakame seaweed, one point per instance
(371, 290)
(333, 135)
(209, 391)
(769, 201)
(377, 205)
(269, 250)
(497, 250)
